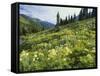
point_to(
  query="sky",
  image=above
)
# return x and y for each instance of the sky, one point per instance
(47, 13)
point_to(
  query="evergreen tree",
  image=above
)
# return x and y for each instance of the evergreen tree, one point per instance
(94, 12)
(81, 14)
(85, 13)
(58, 19)
(89, 14)
(61, 21)
(69, 19)
(74, 17)
(66, 20)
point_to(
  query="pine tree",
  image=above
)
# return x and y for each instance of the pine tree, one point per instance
(81, 14)
(66, 20)
(85, 13)
(69, 19)
(61, 21)
(94, 12)
(58, 19)
(89, 14)
(74, 17)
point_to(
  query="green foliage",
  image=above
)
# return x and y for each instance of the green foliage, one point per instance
(58, 19)
(85, 14)
(66, 47)
(28, 26)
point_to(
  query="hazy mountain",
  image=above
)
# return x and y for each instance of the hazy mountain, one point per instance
(45, 24)
(29, 25)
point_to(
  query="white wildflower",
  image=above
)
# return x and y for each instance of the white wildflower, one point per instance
(68, 50)
(35, 55)
(20, 59)
(64, 59)
(33, 59)
(48, 58)
(37, 58)
(27, 54)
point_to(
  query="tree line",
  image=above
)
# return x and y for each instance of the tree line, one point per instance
(83, 14)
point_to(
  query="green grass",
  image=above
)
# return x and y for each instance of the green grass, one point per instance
(67, 47)
(28, 26)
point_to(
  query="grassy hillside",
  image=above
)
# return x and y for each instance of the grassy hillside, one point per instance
(32, 25)
(27, 25)
(66, 47)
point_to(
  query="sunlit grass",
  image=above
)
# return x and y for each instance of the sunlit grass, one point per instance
(73, 46)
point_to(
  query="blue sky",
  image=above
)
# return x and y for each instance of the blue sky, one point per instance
(47, 13)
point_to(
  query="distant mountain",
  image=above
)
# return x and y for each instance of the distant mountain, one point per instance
(31, 25)
(27, 25)
(47, 25)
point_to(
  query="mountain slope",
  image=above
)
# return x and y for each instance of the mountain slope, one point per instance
(28, 26)
(31, 25)
(45, 24)
(71, 46)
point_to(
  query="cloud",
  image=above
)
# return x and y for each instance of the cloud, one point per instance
(47, 13)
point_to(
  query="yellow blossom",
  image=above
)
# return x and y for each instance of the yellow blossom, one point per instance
(20, 59)
(68, 50)
(27, 54)
(35, 55)
(52, 53)
(33, 59)
(41, 54)
(48, 58)
(64, 59)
